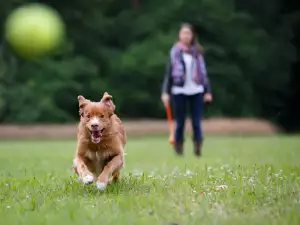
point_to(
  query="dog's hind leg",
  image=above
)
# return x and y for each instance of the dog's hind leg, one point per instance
(116, 176)
(75, 170)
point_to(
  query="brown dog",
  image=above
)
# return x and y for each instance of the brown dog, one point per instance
(101, 140)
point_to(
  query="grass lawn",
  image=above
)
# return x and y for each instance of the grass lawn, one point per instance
(37, 185)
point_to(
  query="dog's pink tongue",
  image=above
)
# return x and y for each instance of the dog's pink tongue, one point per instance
(96, 137)
(96, 134)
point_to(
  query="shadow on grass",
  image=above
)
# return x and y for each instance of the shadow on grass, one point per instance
(136, 185)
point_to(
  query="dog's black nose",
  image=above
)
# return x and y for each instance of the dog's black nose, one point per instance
(94, 125)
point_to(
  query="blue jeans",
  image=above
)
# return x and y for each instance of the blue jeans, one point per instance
(195, 103)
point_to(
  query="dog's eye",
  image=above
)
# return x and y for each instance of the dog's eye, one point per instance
(88, 116)
(102, 116)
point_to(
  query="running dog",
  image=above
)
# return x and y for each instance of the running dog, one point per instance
(101, 139)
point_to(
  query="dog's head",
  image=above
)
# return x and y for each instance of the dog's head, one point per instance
(96, 115)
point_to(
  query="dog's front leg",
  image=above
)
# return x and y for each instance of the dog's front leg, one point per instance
(80, 166)
(112, 166)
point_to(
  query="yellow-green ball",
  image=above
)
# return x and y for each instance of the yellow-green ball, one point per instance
(34, 30)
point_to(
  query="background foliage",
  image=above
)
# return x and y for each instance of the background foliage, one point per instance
(122, 47)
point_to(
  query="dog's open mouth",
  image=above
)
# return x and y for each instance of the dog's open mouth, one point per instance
(96, 135)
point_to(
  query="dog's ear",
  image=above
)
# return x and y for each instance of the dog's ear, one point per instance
(82, 103)
(107, 101)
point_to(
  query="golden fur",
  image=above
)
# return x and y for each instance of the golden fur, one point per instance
(101, 139)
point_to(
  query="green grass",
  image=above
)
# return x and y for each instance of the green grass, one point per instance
(37, 185)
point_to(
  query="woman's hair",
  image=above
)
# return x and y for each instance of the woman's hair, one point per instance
(194, 38)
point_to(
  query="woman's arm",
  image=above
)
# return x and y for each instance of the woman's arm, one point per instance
(206, 83)
(167, 82)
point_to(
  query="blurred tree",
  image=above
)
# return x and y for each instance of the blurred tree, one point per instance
(122, 47)
(279, 24)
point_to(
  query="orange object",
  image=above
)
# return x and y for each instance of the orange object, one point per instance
(171, 124)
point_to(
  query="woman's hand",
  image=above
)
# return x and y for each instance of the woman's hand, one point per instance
(165, 98)
(207, 97)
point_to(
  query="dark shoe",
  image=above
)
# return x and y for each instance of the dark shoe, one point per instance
(197, 148)
(178, 147)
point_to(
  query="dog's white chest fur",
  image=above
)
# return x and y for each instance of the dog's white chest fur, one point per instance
(98, 159)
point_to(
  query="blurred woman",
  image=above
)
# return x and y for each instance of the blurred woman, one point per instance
(187, 83)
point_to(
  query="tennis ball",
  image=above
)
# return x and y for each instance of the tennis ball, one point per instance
(34, 30)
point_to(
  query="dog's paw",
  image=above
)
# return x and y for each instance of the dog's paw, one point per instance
(87, 179)
(101, 185)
